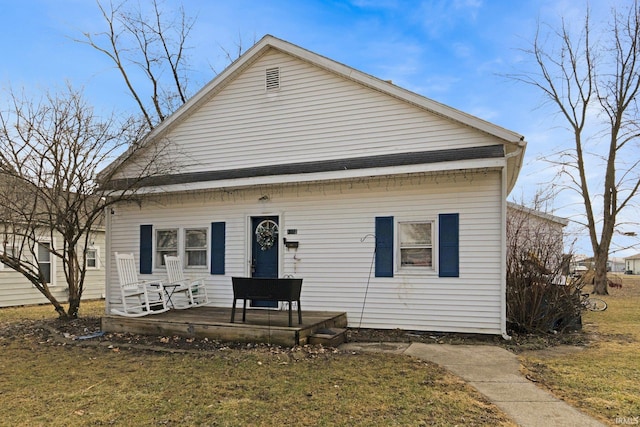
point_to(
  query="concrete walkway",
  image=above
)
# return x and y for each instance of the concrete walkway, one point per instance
(494, 372)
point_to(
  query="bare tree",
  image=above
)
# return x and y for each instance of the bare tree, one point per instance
(148, 42)
(594, 85)
(50, 152)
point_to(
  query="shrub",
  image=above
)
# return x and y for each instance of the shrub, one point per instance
(540, 299)
(541, 303)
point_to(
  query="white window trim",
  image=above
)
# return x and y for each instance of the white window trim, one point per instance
(416, 270)
(181, 249)
(52, 260)
(157, 261)
(4, 267)
(97, 251)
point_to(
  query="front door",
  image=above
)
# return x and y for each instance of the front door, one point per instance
(264, 251)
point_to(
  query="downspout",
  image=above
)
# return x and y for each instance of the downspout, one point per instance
(503, 238)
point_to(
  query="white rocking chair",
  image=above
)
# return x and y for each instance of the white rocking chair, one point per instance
(139, 297)
(194, 291)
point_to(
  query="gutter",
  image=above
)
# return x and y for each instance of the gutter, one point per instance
(518, 153)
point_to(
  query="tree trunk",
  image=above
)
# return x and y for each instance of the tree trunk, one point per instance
(62, 314)
(74, 307)
(600, 278)
(72, 273)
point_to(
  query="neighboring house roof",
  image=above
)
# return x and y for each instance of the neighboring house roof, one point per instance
(512, 144)
(549, 217)
(636, 256)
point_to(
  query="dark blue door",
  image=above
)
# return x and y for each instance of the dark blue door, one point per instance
(264, 251)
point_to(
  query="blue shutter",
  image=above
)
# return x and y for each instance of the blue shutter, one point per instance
(448, 248)
(146, 249)
(384, 246)
(217, 247)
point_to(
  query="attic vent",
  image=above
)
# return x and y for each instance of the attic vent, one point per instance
(273, 79)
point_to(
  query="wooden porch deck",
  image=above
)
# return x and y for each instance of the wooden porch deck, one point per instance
(264, 326)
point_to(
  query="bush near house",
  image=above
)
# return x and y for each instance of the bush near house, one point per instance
(540, 297)
(542, 303)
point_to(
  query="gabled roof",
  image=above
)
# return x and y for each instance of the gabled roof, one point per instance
(636, 256)
(513, 142)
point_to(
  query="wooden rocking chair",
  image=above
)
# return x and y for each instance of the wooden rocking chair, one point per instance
(194, 290)
(139, 297)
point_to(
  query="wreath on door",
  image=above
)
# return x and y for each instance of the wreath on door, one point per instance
(266, 234)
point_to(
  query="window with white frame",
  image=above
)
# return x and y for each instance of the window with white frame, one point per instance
(415, 244)
(9, 251)
(44, 260)
(166, 244)
(195, 247)
(92, 259)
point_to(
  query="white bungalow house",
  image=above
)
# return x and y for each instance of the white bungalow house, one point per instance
(390, 206)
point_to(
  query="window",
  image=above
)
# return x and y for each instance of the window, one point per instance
(166, 244)
(9, 252)
(413, 247)
(190, 244)
(92, 259)
(195, 247)
(416, 244)
(44, 260)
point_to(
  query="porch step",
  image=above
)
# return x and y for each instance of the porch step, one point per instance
(328, 337)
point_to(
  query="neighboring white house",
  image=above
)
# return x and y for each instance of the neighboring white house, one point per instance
(616, 265)
(15, 289)
(583, 263)
(391, 206)
(537, 237)
(632, 264)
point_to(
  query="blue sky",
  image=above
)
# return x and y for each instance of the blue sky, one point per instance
(453, 51)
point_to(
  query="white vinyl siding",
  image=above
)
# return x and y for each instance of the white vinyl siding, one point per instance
(315, 115)
(15, 290)
(334, 255)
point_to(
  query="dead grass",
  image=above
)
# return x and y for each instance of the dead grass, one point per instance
(43, 382)
(603, 379)
(46, 311)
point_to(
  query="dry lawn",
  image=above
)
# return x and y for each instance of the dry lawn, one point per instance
(603, 378)
(43, 382)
